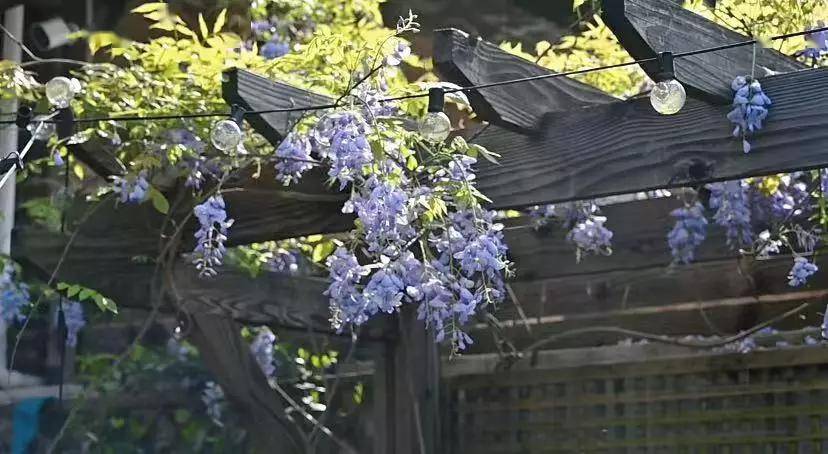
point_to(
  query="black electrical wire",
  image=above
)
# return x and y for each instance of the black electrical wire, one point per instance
(448, 90)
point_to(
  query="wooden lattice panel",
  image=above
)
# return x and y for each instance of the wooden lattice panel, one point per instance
(768, 402)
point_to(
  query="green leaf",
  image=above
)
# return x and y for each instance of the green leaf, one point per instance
(322, 250)
(73, 290)
(181, 415)
(220, 21)
(149, 7)
(62, 286)
(202, 24)
(85, 294)
(159, 202)
(99, 40)
(577, 4)
(105, 304)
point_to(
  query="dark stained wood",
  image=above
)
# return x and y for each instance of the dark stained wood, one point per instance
(646, 27)
(121, 270)
(724, 296)
(627, 147)
(255, 93)
(95, 155)
(465, 60)
(414, 378)
(228, 357)
(640, 240)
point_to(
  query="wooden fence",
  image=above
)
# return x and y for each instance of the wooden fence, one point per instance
(668, 400)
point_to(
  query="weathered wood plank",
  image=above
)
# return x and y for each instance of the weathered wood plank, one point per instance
(627, 147)
(646, 27)
(709, 298)
(120, 270)
(228, 357)
(466, 61)
(640, 240)
(255, 93)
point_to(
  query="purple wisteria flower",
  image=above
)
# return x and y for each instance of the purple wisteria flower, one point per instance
(590, 236)
(74, 318)
(210, 237)
(274, 48)
(817, 44)
(213, 398)
(58, 159)
(260, 27)
(284, 261)
(542, 214)
(688, 233)
(800, 272)
(385, 216)
(293, 158)
(825, 324)
(347, 304)
(400, 52)
(262, 348)
(342, 138)
(14, 295)
(730, 201)
(131, 190)
(186, 138)
(750, 108)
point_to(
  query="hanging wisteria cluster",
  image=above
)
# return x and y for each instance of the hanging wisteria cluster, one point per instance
(14, 294)
(211, 235)
(688, 233)
(750, 108)
(817, 45)
(74, 318)
(262, 349)
(759, 216)
(131, 190)
(582, 220)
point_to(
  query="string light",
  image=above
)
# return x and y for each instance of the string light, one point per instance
(227, 134)
(668, 95)
(450, 90)
(62, 90)
(436, 125)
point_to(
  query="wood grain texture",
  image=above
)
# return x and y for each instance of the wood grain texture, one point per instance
(120, 269)
(465, 60)
(627, 147)
(646, 27)
(640, 240)
(228, 357)
(254, 92)
(724, 296)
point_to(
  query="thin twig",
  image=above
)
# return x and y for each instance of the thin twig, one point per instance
(531, 349)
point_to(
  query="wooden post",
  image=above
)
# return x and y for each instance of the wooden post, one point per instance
(415, 375)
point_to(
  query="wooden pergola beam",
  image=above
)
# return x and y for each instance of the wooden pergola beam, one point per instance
(467, 60)
(626, 147)
(647, 27)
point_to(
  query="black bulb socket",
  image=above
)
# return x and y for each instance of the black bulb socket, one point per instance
(436, 99)
(24, 116)
(666, 70)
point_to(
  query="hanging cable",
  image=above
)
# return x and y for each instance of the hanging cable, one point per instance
(425, 94)
(20, 156)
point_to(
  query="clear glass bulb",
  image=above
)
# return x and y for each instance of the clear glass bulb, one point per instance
(226, 135)
(59, 91)
(668, 97)
(435, 127)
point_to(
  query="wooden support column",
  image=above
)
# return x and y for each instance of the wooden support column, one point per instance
(413, 371)
(228, 357)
